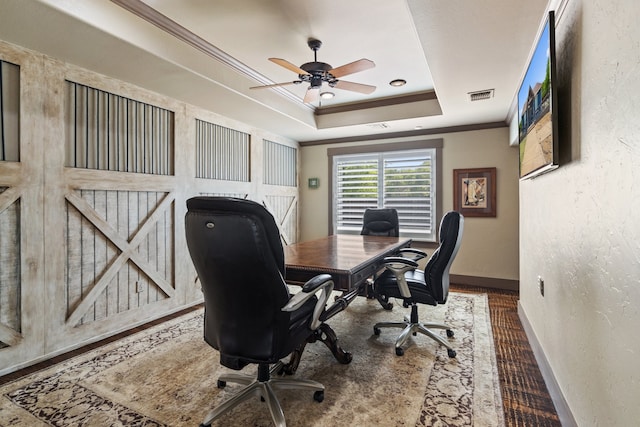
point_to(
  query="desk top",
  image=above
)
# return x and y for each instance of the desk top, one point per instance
(340, 253)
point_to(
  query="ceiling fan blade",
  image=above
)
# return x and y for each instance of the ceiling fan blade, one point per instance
(354, 87)
(312, 95)
(288, 65)
(276, 85)
(352, 67)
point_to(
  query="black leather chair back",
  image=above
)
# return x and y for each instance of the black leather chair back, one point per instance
(380, 222)
(436, 272)
(236, 249)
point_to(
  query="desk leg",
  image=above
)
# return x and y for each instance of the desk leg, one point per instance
(291, 367)
(327, 336)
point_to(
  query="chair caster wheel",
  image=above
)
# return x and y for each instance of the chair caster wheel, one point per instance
(399, 351)
(376, 331)
(451, 353)
(318, 396)
(450, 333)
(221, 384)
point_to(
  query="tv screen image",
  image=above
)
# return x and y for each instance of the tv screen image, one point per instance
(537, 112)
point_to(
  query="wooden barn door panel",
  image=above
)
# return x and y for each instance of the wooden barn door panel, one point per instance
(119, 252)
(21, 206)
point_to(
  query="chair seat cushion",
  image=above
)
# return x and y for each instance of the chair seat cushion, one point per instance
(298, 332)
(386, 285)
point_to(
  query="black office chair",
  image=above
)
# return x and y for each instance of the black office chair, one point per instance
(380, 222)
(384, 222)
(250, 316)
(404, 281)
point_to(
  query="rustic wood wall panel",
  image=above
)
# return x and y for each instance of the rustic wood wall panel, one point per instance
(285, 211)
(280, 164)
(221, 153)
(10, 283)
(119, 252)
(96, 203)
(9, 112)
(110, 132)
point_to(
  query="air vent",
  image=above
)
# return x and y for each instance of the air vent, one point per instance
(379, 125)
(480, 95)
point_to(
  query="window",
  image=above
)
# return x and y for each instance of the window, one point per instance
(401, 179)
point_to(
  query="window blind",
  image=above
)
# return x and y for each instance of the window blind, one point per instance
(403, 180)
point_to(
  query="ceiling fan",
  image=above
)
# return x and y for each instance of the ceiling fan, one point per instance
(315, 73)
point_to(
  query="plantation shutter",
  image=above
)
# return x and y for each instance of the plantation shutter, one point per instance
(408, 188)
(357, 189)
(403, 180)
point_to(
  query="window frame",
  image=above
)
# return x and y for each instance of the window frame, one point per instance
(436, 143)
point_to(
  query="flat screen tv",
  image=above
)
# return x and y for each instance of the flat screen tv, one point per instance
(537, 107)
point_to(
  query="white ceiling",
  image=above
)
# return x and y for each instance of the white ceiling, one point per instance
(209, 53)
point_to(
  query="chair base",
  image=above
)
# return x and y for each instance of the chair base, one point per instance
(263, 386)
(412, 327)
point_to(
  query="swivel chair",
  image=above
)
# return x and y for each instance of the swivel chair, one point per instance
(380, 222)
(250, 316)
(403, 280)
(385, 222)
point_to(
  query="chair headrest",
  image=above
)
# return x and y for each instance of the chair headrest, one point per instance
(380, 221)
(232, 205)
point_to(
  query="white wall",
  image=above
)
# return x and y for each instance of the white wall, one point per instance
(490, 245)
(579, 224)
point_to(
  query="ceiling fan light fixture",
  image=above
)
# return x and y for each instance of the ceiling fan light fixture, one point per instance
(398, 82)
(327, 95)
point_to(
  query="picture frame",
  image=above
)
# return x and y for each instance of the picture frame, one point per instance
(474, 192)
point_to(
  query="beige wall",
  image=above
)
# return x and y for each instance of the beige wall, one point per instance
(579, 224)
(490, 245)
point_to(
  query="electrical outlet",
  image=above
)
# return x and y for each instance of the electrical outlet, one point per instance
(541, 285)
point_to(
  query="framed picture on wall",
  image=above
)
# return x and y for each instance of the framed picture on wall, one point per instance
(474, 192)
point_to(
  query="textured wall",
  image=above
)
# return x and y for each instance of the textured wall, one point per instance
(579, 224)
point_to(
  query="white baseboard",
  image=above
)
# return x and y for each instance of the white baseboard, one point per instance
(563, 410)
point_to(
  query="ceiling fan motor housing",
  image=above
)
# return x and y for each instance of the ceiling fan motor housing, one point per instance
(317, 73)
(316, 67)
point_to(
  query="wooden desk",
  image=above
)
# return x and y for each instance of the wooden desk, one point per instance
(350, 259)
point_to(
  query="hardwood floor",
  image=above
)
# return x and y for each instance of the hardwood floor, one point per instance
(526, 400)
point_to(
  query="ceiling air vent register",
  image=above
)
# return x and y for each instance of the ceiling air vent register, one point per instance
(481, 95)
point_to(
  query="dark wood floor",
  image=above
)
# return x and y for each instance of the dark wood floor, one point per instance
(525, 397)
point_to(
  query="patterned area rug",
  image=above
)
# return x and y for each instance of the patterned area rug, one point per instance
(166, 376)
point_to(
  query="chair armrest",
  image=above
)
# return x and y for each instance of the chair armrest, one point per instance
(322, 283)
(415, 254)
(398, 262)
(399, 266)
